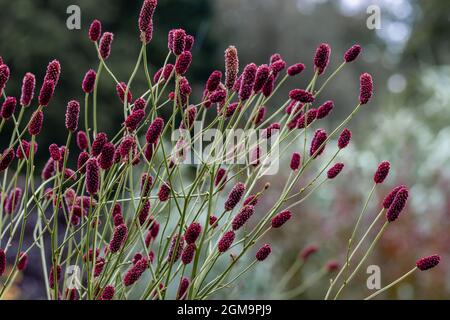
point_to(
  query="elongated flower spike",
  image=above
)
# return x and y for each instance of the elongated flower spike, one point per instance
(121, 88)
(108, 293)
(135, 272)
(248, 81)
(192, 232)
(46, 93)
(295, 69)
(6, 158)
(352, 53)
(428, 262)
(301, 95)
(83, 157)
(259, 117)
(183, 62)
(234, 196)
(318, 143)
(23, 261)
(53, 72)
(263, 252)
(188, 253)
(146, 184)
(213, 80)
(175, 253)
(92, 176)
(164, 192)
(268, 86)
(325, 109)
(242, 217)
(28, 86)
(134, 119)
(55, 154)
(365, 88)
(82, 140)
(88, 81)
(178, 38)
(221, 178)
(344, 138)
(106, 158)
(182, 289)
(391, 196)
(72, 115)
(145, 21)
(8, 107)
(95, 30)
(262, 74)
(226, 241)
(154, 130)
(382, 172)
(97, 145)
(4, 76)
(335, 170)
(308, 251)
(119, 237)
(231, 66)
(281, 218)
(13, 200)
(51, 276)
(306, 119)
(188, 42)
(23, 150)
(105, 45)
(398, 204)
(322, 58)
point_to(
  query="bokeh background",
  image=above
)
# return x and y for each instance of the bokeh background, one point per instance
(407, 122)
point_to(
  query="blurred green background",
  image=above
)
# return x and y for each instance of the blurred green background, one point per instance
(407, 122)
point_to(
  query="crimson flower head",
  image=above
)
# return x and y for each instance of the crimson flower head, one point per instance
(55, 154)
(35, 124)
(231, 66)
(213, 80)
(2, 261)
(188, 253)
(88, 81)
(183, 62)
(281, 218)
(53, 71)
(234, 196)
(119, 237)
(106, 158)
(14, 198)
(295, 69)
(154, 130)
(226, 241)
(8, 107)
(121, 88)
(182, 289)
(428, 262)
(277, 66)
(82, 140)
(259, 117)
(243, 215)
(105, 45)
(318, 143)
(135, 272)
(108, 293)
(145, 22)
(306, 119)
(295, 161)
(188, 42)
(365, 88)
(301, 95)
(325, 109)
(164, 192)
(344, 138)
(23, 150)
(382, 172)
(53, 275)
(6, 158)
(95, 30)
(146, 184)
(23, 261)
(322, 58)
(248, 81)
(221, 177)
(177, 37)
(391, 196)
(335, 170)
(263, 252)
(134, 119)
(275, 57)
(332, 265)
(83, 157)
(192, 232)
(251, 200)
(28, 86)
(97, 145)
(218, 96)
(72, 115)
(397, 205)
(176, 247)
(46, 93)
(352, 53)
(262, 74)
(127, 145)
(4, 76)
(92, 176)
